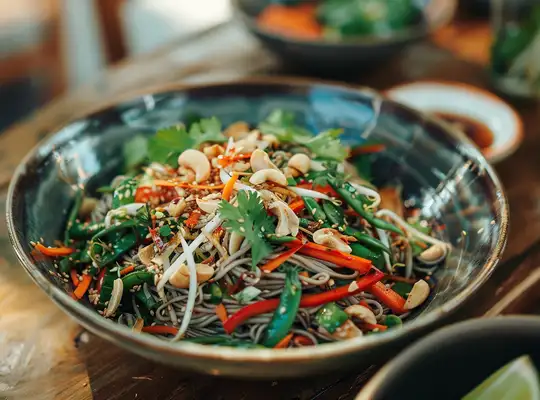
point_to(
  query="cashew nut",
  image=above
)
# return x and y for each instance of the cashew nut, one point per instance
(146, 254)
(347, 330)
(362, 313)
(271, 140)
(235, 241)
(288, 221)
(213, 151)
(300, 163)
(237, 130)
(433, 254)
(180, 279)
(239, 166)
(176, 207)
(197, 162)
(210, 203)
(418, 295)
(272, 175)
(260, 160)
(331, 238)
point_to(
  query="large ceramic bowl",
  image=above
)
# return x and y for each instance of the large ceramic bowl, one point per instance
(351, 53)
(439, 169)
(450, 363)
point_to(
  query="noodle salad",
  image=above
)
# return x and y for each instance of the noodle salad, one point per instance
(248, 237)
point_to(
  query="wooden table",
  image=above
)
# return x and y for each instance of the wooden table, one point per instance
(67, 364)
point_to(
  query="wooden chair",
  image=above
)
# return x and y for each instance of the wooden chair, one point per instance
(110, 18)
(31, 43)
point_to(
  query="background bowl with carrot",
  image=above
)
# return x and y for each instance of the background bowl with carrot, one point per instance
(442, 175)
(338, 35)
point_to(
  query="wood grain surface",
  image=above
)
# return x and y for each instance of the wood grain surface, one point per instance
(63, 362)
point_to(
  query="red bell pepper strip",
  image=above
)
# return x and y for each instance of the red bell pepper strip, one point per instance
(309, 300)
(337, 257)
(389, 297)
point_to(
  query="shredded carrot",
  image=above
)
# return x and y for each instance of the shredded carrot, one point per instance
(283, 343)
(221, 312)
(53, 251)
(304, 274)
(127, 270)
(297, 205)
(229, 186)
(368, 149)
(160, 329)
(193, 219)
(300, 340)
(83, 286)
(74, 277)
(276, 262)
(159, 182)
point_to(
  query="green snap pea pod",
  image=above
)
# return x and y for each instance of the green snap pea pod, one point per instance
(334, 213)
(65, 265)
(107, 287)
(137, 278)
(280, 239)
(330, 317)
(402, 288)
(284, 316)
(121, 246)
(349, 195)
(216, 294)
(82, 231)
(393, 321)
(73, 214)
(314, 209)
(125, 192)
(367, 240)
(146, 298)
(222, 340)
(130, 223)
(361, 251)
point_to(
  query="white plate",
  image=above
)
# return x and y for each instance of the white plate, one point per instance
(469, 101)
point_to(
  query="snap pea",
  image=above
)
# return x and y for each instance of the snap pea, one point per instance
(314, 209)
(330, 317)
(367, 240)
(86, 230)
(125, 192)
(285, 313)
(137, 278)
(107, 287)
(216, 294)
(402, 288)
(130, 223)
(393, 321)
(65, 265)
(120, 246)
(280, 239)
(356, 201)
(364, 252)
(146, 298)
(335, 214)
(73, 214)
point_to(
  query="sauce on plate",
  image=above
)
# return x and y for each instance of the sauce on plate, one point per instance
(477, 131)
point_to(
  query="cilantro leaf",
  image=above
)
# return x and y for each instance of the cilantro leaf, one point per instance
(165, 146)
(135, 151)
(282, 125)
(207, 130)
(251, 221)
(328, 146)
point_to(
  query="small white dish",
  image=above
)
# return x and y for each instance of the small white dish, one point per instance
(470, 103)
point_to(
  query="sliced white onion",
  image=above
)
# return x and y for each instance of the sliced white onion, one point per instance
(192, 293)
(116, 297)
(209, 228)
(383, 237)
(414, 232)
(316, 166)
(128, 209)
(367, 192)
(308, 193)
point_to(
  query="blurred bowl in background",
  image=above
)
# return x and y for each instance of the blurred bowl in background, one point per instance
(335, 53)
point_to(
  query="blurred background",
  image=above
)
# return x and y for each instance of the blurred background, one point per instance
(48, 47)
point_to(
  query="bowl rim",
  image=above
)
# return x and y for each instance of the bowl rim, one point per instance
(413, 32)
(108, 329)
(460, 330)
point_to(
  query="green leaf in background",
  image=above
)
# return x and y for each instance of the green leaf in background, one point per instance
(327, 145)
(135, 151)
(207, 130)
(165, 146)
(282, 125)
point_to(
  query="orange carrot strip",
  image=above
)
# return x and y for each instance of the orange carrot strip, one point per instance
(160, 329)
(83, 286)
(221, 312)
(127, 270)
(304, 274)
(229, 186)
(74, 277)
(159, 182)
(388, 297)
(53, 251)
(193, 219)
(276, 262)
(297, 205)
(283, 343)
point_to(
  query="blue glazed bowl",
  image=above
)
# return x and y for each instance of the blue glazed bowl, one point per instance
(438, 168)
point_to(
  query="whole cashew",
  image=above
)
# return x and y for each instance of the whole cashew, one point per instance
(209, 204)
(260, 160)
(300, 163)
(237, 130)
(180, 279)
(331, 238)
(196, 161)
(418, 295)
(288, 221)
(235, 241)
(272, 175)
(362, 313)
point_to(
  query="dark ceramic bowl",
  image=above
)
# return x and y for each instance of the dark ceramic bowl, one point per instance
(348, 54)
(449, 363)
(439, 169)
